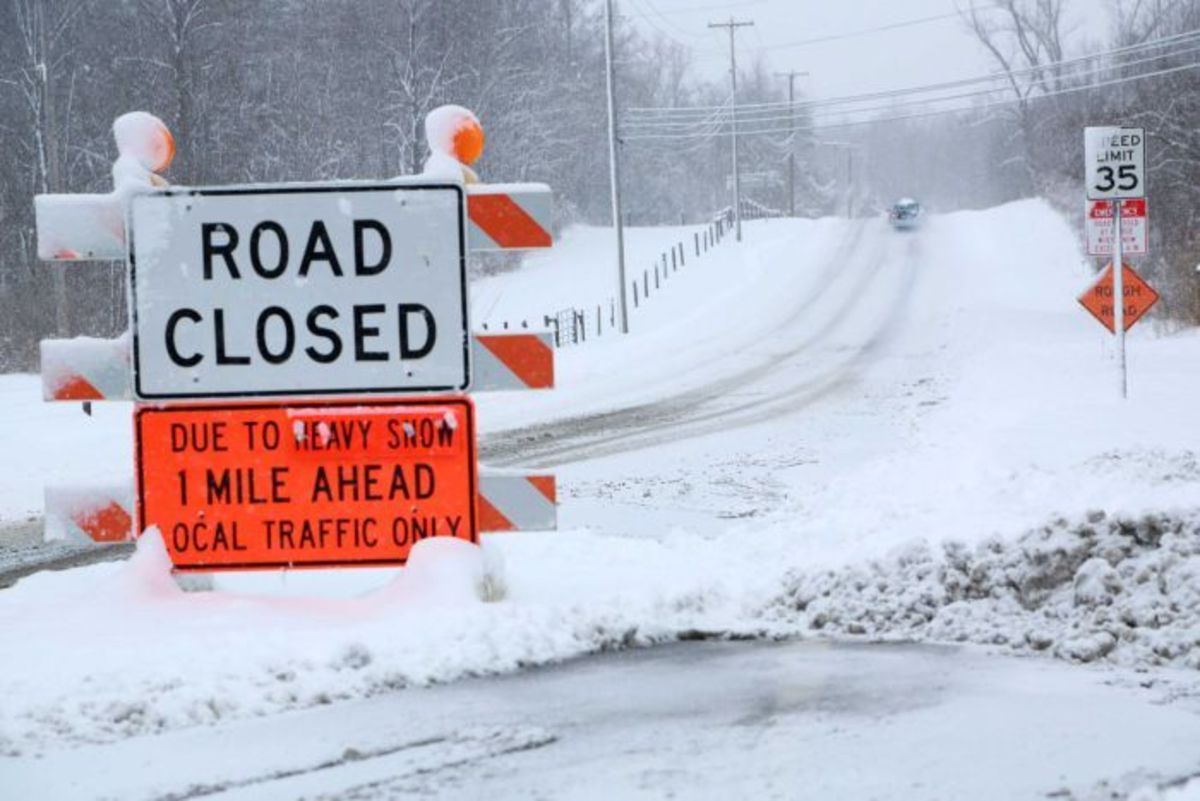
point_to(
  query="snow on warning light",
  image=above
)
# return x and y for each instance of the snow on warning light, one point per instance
(145, 147)
(455, 138)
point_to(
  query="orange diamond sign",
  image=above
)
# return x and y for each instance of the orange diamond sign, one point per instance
(1139, 297)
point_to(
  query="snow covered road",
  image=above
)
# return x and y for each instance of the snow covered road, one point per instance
(831, 429)
(695, 720)
(829, 328)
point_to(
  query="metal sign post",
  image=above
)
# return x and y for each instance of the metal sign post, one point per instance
(1119, 300)
(1115, 160)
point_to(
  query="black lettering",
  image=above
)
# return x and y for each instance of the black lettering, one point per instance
(224, 250)
(400, 532)
(319, 248)
(180, 537)
(256, 255)
(371, 482)
(407, 351)
(446, 434)
(321, 489)
(179, 437)
(347, 479)
(218, 489)
(385, 243)
(219, 328)
(172, 351)
(425, 480)
(286, 530)
(289, 335)
(399, 486)
(362, 332)
(315, 327)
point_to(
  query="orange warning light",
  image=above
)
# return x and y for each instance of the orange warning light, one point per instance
(306, 484)
(163, 149)
(468, 142)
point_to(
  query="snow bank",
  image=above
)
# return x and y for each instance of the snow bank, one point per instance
(987, 408)
(57, 444)
(1119, 589)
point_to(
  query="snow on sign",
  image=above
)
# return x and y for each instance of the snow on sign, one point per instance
(299, 290)
(306, 484)
(1116, 162)
(1139, 297)
(1134, 224)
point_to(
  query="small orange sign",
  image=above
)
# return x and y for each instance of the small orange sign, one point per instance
(305, 484)
(1139, 297)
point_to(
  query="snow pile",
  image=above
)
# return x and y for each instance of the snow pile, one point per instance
(117, 650)
(1125, 590)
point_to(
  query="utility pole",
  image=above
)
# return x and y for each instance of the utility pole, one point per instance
(733, 25)
(614, 162)
(791, 76)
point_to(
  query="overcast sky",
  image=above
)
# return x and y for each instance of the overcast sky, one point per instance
(927, 52)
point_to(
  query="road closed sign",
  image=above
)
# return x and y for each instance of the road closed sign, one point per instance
(318, 484)
(299, 291)
(1115, 161)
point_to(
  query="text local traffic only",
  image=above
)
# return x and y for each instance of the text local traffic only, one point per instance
(307, 486)
(297, 293)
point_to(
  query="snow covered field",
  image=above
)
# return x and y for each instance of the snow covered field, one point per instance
(798, 427)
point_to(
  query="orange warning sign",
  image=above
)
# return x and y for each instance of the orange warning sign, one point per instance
(1139, 297)
(305, 484)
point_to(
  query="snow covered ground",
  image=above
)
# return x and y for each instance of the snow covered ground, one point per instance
(697, 720)
(798, 427)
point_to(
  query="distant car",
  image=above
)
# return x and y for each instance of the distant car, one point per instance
(905, 214)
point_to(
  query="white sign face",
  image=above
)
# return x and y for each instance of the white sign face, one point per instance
(1115, 160)
(1134, 227)
(298, 290)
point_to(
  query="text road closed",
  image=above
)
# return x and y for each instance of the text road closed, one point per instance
(299, 291)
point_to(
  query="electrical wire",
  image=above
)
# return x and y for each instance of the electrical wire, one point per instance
(917, 115)
(810, 111)
(1167, 41)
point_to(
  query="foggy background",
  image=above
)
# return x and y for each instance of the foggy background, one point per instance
(294, 90)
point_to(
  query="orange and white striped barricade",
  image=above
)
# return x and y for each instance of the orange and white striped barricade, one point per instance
(518, 502)
(89, 369)
(79, 228)
(102, 515)
(92, 227)
(86, 369)
(509, 216)
(512, 361)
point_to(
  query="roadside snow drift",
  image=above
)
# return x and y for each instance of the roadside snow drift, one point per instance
(831, 428)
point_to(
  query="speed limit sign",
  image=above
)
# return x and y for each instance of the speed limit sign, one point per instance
(1116, 162)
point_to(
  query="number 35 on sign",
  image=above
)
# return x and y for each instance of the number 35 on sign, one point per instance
(1116, 162)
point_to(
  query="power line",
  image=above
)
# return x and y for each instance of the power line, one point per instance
(937, 112)
(714, 7)
(819, 109)
(1167, 41)
(837, 37)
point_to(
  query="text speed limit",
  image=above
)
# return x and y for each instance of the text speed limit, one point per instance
(1116, 162)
